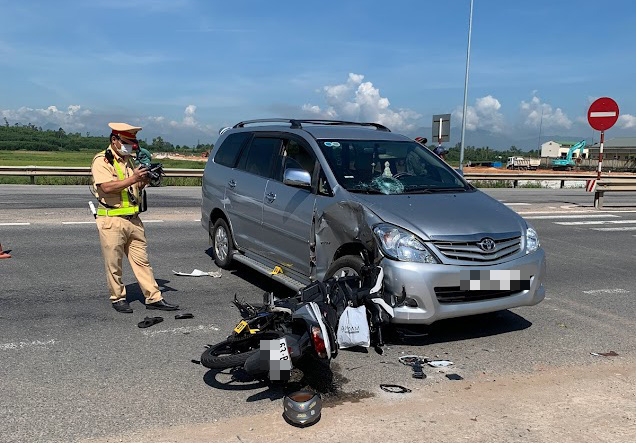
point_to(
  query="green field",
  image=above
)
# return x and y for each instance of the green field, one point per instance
(80, 158)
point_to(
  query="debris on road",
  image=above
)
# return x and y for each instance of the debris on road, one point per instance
(198, 273)
(4, 254)
(183, 316)
(414, 361)
(604, 354)
(394, 389)
(149, 321)
(454, 377)
(439, 363)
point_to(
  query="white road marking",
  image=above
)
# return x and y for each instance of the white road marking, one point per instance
(549, 217)
(591, 211)
(79, 223)
(517, 204)
(153, 221)
(25, 344)
(15, 224)
(595, 222)
(182, 330)
(624, 228)
(607, 291)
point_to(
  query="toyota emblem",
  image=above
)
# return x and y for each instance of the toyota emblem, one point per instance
(487, 244)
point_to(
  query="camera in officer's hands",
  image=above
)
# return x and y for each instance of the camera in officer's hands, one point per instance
(155, 173)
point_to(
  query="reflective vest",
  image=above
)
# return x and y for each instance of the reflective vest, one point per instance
(125, 209)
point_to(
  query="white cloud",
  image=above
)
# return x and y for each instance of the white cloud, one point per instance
(72, 119)
(189, 120)
(627, 121)
(484, 115)
(357, 100)
(535, 111)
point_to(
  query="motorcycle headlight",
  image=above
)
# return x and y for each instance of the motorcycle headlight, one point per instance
(532, 240)
(402, 245)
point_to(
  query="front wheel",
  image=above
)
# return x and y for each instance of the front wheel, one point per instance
(347, 266)
(222, 245)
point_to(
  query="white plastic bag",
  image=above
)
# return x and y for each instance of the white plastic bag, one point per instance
(353, 328)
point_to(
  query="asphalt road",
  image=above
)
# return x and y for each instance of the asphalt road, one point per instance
(72, 368)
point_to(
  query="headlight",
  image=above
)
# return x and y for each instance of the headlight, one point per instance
(402, 245)
(532, 241)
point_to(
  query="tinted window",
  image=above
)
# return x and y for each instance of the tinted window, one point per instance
(228, 152)
(260, 159)
(296, 156)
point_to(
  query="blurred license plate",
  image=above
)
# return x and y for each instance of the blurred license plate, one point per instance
(283, 350)
(494, 280)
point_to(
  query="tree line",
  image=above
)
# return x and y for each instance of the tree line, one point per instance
(33, 138)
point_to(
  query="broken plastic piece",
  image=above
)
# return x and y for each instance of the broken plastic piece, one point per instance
(149, 321)
(454, 377)
(198, 273)
(439, 363)
(183, 316)
(410, 360)
(604, 354)
(277, 270)
(394, 389)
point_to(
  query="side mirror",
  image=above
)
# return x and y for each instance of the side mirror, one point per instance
(297, 178)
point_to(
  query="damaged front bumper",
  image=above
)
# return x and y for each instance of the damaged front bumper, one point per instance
(428, 286)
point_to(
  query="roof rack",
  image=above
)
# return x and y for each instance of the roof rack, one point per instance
(297, 123)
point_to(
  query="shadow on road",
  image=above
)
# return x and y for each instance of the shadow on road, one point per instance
(134, 293)
(476, 326)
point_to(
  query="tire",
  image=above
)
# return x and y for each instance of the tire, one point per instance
(220, 356)
(210, 359)
(222, 244)
(347, 263)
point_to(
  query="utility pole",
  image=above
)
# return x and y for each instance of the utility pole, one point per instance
(470, 30)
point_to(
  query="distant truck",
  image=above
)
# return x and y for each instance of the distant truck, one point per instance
(523, 163)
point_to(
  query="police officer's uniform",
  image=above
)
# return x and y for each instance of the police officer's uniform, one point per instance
(121, 231)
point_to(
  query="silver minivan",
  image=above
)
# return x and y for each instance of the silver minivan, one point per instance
(305, 200)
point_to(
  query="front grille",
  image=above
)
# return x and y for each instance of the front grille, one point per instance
(470, 251)
(453, 294)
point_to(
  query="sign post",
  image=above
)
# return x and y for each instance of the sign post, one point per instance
(441, 128)
(602, 115)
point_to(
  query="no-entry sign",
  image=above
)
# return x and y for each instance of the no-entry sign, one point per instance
(602, 114)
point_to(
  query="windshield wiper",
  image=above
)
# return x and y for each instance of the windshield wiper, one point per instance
(366, 191)
(427, 190)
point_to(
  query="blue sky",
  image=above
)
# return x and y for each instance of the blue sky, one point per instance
(185, 68)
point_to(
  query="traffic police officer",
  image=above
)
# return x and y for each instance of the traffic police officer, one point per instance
(121, 232)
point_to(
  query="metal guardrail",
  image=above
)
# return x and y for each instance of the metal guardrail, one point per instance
(35, 171)
(58, 171)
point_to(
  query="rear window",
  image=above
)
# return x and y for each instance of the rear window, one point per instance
(228, 152)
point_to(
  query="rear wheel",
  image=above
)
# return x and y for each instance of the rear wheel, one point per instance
(235, 351)
(221, 356)
(222, 244)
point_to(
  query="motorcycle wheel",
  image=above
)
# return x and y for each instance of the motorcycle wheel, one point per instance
(228, 354)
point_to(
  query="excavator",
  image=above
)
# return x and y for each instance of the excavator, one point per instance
(560, 164)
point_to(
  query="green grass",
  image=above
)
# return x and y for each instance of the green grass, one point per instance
(78, 159)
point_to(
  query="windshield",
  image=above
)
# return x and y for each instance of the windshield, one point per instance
(389, 167)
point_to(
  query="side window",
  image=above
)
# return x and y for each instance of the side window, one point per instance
(228, 152)
(260, 157)
(323, 185)
(297, 156)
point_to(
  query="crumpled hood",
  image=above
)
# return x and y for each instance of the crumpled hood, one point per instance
(432, 216)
